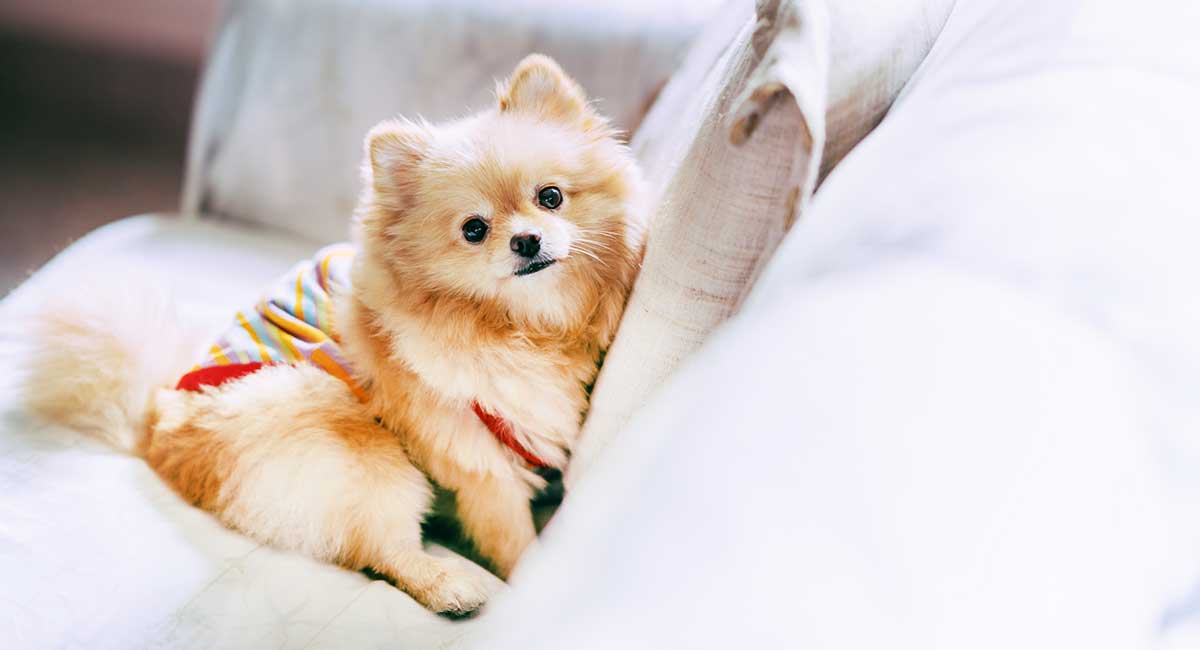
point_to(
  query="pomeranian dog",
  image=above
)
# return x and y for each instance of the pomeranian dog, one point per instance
(455, 340)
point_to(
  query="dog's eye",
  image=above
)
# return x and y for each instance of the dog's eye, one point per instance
(474, 230)
(550, 197)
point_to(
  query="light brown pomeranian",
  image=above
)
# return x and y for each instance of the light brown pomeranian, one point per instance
(492, 259)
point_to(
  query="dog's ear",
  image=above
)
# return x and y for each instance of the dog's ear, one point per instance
(539, 87)
(394, 148)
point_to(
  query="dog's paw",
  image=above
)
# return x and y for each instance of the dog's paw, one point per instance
(461, 588)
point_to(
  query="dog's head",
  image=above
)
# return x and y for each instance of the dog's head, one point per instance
(531, 205)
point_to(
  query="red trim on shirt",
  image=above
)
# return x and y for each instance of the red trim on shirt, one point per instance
(216, 375)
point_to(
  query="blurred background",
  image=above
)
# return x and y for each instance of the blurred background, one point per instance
(95, 98)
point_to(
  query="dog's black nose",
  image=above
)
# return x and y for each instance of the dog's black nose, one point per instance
(526, 244)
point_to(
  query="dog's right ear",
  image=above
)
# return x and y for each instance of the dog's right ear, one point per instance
(394, 148)
(539, 87)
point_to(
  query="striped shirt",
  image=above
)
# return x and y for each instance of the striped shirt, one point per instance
(293, 323)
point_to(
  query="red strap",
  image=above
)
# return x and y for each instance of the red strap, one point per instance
(216, 375)
(503, 432)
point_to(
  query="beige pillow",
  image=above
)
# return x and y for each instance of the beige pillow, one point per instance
(765, 104)
(731, 149)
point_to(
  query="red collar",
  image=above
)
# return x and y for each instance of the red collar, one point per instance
(503, 432)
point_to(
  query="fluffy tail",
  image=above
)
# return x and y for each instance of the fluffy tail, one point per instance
(93, 360)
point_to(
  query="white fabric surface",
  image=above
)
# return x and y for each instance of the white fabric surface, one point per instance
(767, 100)
(292, 87)
(959, 409)
(97, 552)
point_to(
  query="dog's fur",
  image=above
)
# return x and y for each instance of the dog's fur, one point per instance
(289, 456)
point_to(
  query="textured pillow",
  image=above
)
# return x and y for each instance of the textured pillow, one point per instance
(292, 87)
(764, 105)
(731, 147)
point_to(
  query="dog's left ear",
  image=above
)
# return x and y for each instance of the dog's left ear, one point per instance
(539, 87)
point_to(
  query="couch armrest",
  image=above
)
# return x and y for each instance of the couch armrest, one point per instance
(291, 88)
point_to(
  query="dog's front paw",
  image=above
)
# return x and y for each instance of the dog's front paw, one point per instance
(461, 588)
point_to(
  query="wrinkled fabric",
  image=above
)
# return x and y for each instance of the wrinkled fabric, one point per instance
(769, 99)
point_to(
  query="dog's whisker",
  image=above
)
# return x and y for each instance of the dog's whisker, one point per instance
(603, 244)
(585, 240)
(593, 250)
(599, 233)
(582, 250)
(593, 245)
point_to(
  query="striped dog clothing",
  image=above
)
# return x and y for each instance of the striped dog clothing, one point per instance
(293, 324)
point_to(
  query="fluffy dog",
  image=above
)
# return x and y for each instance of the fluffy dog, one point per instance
(493, 256)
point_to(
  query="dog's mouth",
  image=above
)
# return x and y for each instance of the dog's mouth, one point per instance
(534, 266)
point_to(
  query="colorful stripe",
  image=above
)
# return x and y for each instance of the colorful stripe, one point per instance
(289, 324)
(300, 296)
(327, 363)
(282, 341)
(218, 356)
(263, 355)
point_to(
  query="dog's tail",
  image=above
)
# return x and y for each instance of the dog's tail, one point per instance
(92, 359)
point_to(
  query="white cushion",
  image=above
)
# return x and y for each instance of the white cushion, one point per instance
(291, 88)
(959, 410)
(97, 552)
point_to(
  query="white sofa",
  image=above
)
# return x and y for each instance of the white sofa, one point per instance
(957, 410)
(95, 552)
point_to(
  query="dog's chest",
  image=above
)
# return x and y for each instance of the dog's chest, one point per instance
(535, 389)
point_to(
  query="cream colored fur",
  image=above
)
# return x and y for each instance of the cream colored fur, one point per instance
(98, 357)
(434, 323)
